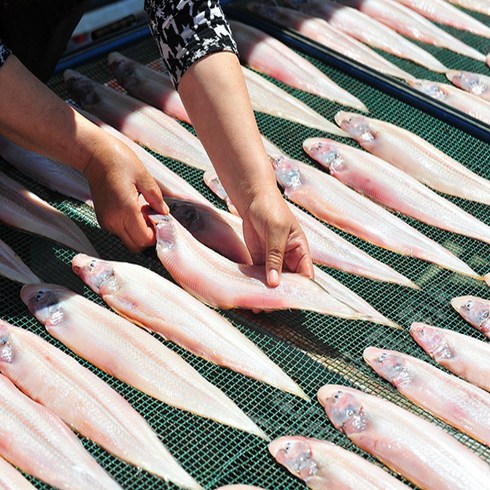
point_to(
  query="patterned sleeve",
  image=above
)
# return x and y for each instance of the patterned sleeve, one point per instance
(187, 30)
(4, 53)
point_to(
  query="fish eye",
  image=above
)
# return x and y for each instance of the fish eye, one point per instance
(382, 357)
(468, 305)
(93, 263)
(337, 395)
(40, 295)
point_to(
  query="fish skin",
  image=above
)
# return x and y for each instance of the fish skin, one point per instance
(474, 83)
(476, 311)
(417, 449)
(221, 283)
(322, 465)
(387, 185)
(322, 32)
(415, 156)
(464, 356)
(240, 487)
(338, 205)
(139, 121)
(447, 397)
(11, 479)
(481, 6)
(137, 294)
(85, 403)
(24, 210)
(452, 96)
(270, 56)
(116, 346)
(41, 445)
(368, 31)
(12, 266)
(413, 25)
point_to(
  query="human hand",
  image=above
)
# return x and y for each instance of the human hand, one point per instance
(274, 237)
(117, 178)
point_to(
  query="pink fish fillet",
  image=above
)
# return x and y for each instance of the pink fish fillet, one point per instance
(11, 479)
(482, 6)
(130, 354)
(474, 83)
(413, 25)
(139, 121)
(464, 356)
(417, 449)
(333, 202)
(368, 31)
(24, 210)
(85, 403)
(268, 55)
(476, 311)
(323, 465)
(447, 397)
(138, 294)
(415, 156)
(219, 282)
(391, 187)
(37, 441)
(12, 266)
(465, 102)
(442, 12)
(322, 32)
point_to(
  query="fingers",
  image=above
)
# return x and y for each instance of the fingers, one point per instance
(276, 241)
(152, 194)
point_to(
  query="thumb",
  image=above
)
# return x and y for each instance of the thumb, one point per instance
(275, 246)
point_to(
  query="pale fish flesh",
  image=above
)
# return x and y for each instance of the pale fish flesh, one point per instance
(219, 282)
(268, 55)
(11, 479)
(464, 356)
(368, 30)
(391, 187)
(85, 402)
(128, 353)
(138, 294)
(26, 211)
(417, 449)
(466, 102)
(322, 32)
(12, 266)
(413, 25)
(53, 175)
(139, 121)
(323, 465)
(482, 6)
(240, 487)
(474, 83)
(476, 311)
(338, 205)
(442, 12)
(415, 156)
(38, 442)
(447, 397)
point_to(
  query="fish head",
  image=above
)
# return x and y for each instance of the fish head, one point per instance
(344, 408)
(432, 89)
(288, 173)
(355, 125)
(324, 151)
(6, 347)
(475, 311)
(81, 88)
(211, 179)
(471, 82)
(97, 274)
(123, 69)
(388, 364)
(295, 454)
(165, 230)
(44, 302)
(432, 340)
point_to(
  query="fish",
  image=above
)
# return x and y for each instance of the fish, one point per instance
(270, 56)
(419, 450)
(50, 173)
(221, 283)
(137, 294)
(369, 31)
(39, 443)
(474, 83)
(481, 6)
(447, 397)
(338, 205)
(476, 311)
(24, 210)
(464, 356)
(413, 25)
(12, 266)
(322, 32)
(240, 487)
(322, 465)
(11, 479)
(465, 102)
(119, 348)
(141, 122)
(85, 403)
(442, 12)
(391, 187)
(416, 157)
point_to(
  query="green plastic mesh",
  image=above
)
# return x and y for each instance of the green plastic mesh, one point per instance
(312, 348)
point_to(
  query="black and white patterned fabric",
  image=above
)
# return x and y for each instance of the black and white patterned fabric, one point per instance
(4, 53)
(187, 30)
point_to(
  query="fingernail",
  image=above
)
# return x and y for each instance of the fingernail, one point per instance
(273, 277)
